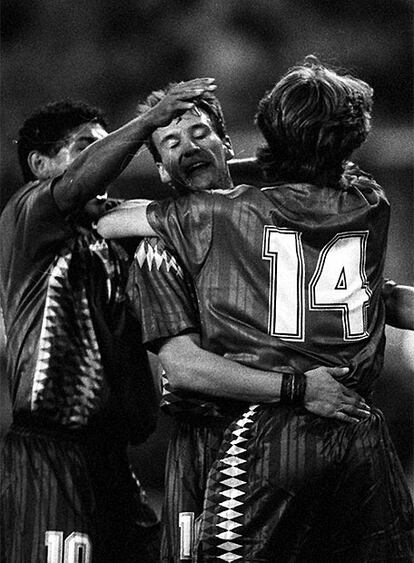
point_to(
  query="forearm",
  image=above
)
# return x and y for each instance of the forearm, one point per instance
(191, 368)
(101, 163)
(400, 307)
(127, 220)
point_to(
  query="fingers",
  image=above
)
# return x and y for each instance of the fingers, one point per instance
(345, 418)
(338, 370)
(359, 411)
(195, 82)
(349, 395)
(182, 107)
(190, 93)
(193, 88)
(181, 99)
(352, 413)
(353, 399)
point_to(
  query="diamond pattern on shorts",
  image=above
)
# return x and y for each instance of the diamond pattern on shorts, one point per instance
(226, 487)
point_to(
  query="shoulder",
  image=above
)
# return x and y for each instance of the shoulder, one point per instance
(364, 183)
(32, 217)
(22, 194)
(22, 201)
(32, 196)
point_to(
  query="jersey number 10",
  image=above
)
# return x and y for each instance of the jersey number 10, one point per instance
(76, 548)
(339, 282)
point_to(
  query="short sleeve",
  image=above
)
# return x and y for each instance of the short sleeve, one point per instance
(42, 222)
(160, 293)
(37, 228)
(186, 225)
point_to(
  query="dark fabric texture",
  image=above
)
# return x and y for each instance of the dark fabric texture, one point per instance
(291, 487)
(52, 483)
(287, 274)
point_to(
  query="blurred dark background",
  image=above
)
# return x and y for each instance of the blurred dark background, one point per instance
(112, 54)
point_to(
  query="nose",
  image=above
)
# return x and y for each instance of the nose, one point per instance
(190, 147)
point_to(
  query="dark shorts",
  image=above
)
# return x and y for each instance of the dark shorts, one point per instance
(71, 499)
(287, 486)
(191, 452)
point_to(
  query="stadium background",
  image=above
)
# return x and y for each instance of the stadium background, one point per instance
(112, 54)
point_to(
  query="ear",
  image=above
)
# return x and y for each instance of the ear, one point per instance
(228, 148)
(39, 164)
(164, 175)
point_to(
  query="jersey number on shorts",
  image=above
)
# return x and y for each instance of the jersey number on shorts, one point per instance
(76, 548)
(186, 525)
(339, 282)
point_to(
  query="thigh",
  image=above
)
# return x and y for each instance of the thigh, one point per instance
(369, 514)
(128, 529)
(71, 500)
(265, 489)
(288, 486)
(47, 501)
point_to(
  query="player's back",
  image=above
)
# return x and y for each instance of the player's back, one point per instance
(294, 275)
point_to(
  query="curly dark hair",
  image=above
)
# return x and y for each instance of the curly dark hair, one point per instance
(312, 119)
(46, 129)
(207, 102)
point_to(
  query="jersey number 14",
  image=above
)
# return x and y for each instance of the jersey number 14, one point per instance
(339, 282)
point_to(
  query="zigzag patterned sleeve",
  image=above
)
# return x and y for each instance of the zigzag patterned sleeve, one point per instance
(160, 293)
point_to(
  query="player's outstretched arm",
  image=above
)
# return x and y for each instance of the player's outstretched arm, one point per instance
(129, 219)
(191, 368)
(399, 305)
(103, 161)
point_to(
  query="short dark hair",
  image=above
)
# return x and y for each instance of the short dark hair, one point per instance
(47, 128)
(207, 102)
(312, 119)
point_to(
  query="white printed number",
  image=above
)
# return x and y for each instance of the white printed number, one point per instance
(76, 548)
(186, 525)
(339, 282)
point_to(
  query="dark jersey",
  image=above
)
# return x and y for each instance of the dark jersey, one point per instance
(287, 274)
(162, 299)
(62, 294)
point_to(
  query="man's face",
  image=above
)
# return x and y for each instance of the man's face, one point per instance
(76, 141)
(192, 153)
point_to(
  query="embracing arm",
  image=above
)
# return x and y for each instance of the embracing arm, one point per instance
(399, 305)
(191, 368)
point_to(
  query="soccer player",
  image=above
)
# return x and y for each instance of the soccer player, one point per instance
(162, 298)
(79, 379)
(288, 274)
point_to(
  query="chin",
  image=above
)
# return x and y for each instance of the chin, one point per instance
(203, 185)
